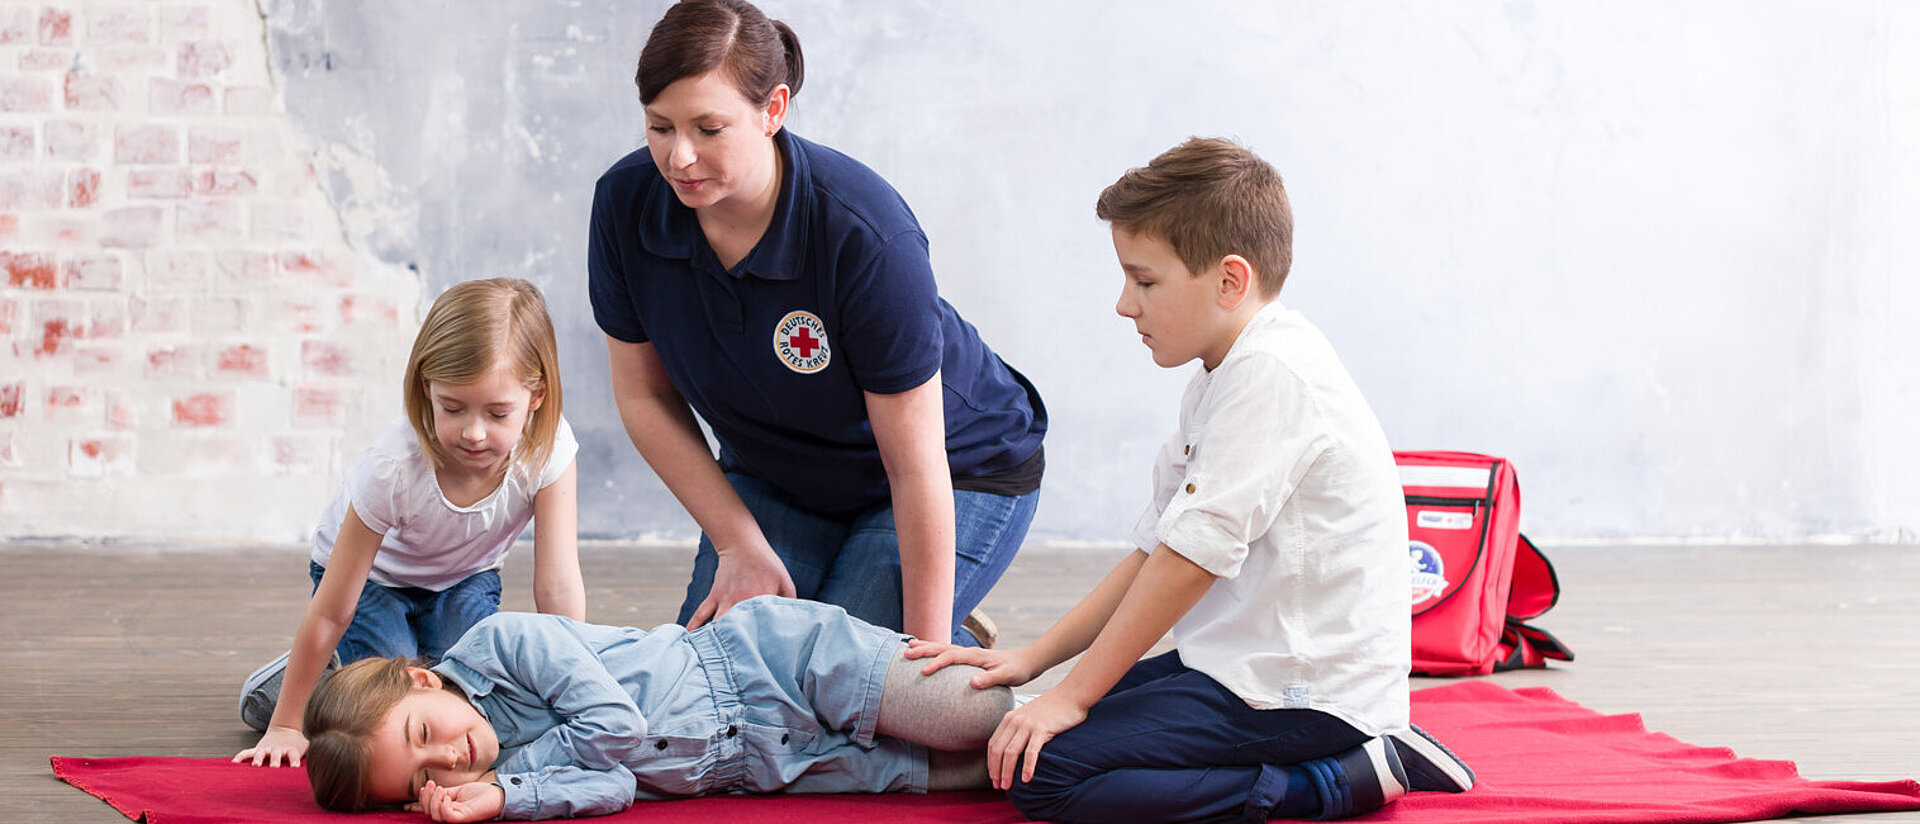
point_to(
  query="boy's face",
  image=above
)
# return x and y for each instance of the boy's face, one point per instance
(432, 734)
(1178, 314)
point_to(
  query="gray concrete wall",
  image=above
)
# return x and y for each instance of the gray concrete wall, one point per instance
(1660, 255)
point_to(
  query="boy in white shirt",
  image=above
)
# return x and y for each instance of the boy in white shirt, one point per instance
(1278, 561)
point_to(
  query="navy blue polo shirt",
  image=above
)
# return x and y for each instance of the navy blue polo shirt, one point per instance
(836, 299)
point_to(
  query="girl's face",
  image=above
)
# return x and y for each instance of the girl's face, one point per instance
(430, 735)
(480, 423)
(710, 142)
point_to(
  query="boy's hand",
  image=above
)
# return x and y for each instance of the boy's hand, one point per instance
(1024, 731)
(472, 801)
(279, 744)
(999, 667)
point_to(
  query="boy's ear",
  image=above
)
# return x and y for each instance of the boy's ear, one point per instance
(422, 678)
(1236, 281)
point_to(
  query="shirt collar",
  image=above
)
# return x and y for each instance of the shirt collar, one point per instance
(669, 229)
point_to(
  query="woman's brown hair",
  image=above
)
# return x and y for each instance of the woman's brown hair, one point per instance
(698, 36)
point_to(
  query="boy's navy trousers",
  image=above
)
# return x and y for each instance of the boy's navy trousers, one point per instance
(1170, 744)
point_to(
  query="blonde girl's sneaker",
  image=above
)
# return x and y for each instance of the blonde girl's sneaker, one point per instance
(1429, 764)
(261, 691)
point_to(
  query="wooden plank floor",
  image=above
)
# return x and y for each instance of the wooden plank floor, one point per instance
(1809, 654)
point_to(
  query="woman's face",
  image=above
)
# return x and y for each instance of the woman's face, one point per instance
(710, 142)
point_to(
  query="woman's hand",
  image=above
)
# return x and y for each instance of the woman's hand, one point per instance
(472, 801)
(739, 576)
(279, 744)
(1024, 731)
(1000, 667)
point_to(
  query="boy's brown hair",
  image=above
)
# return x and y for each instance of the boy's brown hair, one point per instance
(1208, 198)
(340, 719)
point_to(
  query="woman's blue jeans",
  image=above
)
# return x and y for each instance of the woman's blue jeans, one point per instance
(853, 561)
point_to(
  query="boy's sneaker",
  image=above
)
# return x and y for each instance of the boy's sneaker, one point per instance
(982, 627)
(261, 691)
(1429, 764)
(1358, 781)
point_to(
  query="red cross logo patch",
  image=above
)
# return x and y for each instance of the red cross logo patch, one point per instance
(800, 339)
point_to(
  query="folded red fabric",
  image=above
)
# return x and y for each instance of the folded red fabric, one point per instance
(1539, 759)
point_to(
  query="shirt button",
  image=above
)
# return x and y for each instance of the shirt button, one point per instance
(1188, 450)
(731, 731)
(660, 745)
(783, 738)
(1191, 488)
(514, 781)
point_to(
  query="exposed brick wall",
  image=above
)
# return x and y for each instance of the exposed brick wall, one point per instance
(189, 350)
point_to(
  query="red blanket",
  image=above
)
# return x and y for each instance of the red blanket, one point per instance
(1540, 758)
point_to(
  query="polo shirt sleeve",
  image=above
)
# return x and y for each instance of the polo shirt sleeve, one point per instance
(890, 329)
(606, 272)
(1260, 431)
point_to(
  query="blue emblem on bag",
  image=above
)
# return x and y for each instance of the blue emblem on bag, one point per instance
(1429, 571)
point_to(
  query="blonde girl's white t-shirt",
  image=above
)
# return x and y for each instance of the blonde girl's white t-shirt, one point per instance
(1280, 482)
(428, 542)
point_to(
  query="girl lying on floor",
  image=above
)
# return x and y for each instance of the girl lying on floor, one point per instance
(539, 716)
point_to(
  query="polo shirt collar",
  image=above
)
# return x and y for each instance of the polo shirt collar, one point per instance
(669, 229)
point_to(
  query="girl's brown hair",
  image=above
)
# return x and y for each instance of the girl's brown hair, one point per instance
(698, 36)
(340, 719)
(1208, 198)
(473, 328)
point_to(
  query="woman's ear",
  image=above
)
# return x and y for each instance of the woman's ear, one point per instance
(775, 114)
(1236, 281)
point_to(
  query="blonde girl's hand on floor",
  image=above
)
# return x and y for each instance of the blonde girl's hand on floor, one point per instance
(472, 801)
(278, 745)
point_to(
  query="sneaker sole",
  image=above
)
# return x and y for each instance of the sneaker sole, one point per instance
(256, 706)
(1429, 764)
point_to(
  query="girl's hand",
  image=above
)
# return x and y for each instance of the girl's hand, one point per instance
(1001, 667)
(473, 801)
(739, 576)
(1024, 731)
(277, 745)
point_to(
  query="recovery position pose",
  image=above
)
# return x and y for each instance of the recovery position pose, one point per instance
(1278, 553)
(407, 556)
(538, 716)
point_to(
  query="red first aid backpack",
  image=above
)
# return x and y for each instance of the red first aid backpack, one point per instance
(1476, 579)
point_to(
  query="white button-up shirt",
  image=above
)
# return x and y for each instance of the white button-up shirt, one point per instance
(1280, 482)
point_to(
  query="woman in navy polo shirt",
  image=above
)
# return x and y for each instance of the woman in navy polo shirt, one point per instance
(874, 452)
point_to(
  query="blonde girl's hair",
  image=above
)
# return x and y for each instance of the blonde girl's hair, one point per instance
(474, 327)
(341, 716)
